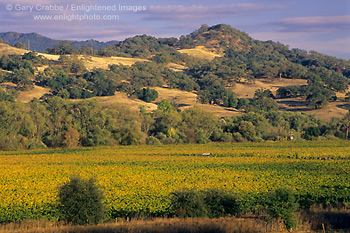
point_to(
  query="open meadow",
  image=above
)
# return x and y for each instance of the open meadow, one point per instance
(137, 180)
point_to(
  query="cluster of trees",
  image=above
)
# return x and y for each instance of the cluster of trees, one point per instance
(147, 94)
(140, 46)
(62, 48)
(214, 203)
(71, 80)
(27, 61)
(90, 47)
(55, 122)
(21, 69)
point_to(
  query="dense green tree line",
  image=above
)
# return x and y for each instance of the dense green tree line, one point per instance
(20, 69)
(55, 122)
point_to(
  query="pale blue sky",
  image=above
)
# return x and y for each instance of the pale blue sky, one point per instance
(320, 25)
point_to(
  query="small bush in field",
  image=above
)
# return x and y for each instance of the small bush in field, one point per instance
(282, 204)
(81, 202)
(188, 203)
(212, 203)
(220, 203)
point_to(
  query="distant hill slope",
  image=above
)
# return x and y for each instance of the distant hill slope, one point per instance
(7, 50)
(40, 43)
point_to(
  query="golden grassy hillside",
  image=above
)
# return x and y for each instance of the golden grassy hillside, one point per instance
(37, 92)
(99, 62)
(247, 90)
(104, 62)
(200, 52)
(189, 99)
(122, 98)
(50, 56)
(336, 109)
(6, 49)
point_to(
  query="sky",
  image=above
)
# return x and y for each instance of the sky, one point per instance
(320, 25)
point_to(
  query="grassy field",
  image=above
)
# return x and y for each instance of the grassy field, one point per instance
(139, 179)
(7, 50)
(200, 52)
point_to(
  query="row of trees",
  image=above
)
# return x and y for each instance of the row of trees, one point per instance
(56, 122)
(81, 202)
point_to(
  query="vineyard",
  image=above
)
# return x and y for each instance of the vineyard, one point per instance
(137, 180)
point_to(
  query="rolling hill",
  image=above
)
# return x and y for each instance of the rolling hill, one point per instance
(230, 57)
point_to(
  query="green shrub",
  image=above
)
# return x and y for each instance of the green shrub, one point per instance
(188, 203)
(81, 202)
(220, 203)
(152, 141)
(147, 94)
(212, 203)
(282, 204)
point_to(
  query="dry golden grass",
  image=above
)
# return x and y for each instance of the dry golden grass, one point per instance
(37, 92)
(6, 49)
(183, 98)
(26, 96)
(122, 98)
(336, 109)
(200, 52)
(189, 99)
(42, 68)
(7, 85)
(104, 62)
(316, 219)
(99, 62)
(247, 90)
(50, 56)
(176, 67)
(220, 111)
(159, 225)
